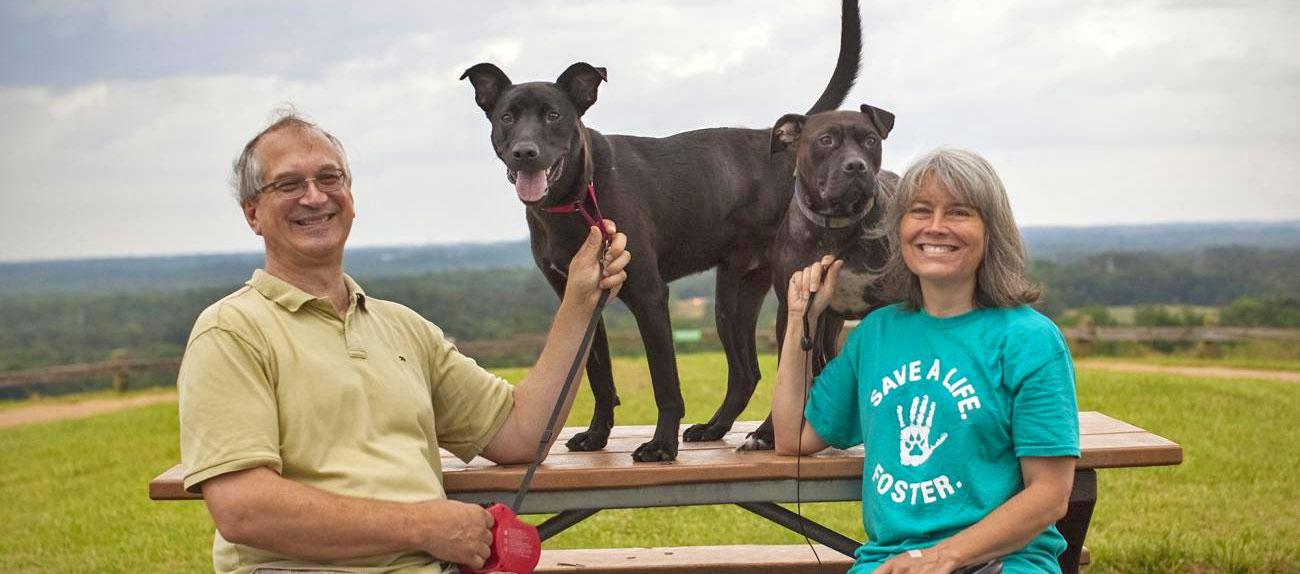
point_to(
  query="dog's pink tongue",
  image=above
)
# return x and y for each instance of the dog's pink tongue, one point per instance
(530, 186)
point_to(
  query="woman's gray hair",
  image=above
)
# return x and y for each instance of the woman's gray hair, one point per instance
(247, 178)
(1000, 280)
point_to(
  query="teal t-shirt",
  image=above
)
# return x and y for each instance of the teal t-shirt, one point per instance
(945, 408)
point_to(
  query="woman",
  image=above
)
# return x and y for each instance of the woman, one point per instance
(962, 395)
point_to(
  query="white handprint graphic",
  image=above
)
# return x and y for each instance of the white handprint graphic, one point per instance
(914, 439)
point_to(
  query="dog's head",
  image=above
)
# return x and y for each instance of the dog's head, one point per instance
(535, 127)
(837, 155)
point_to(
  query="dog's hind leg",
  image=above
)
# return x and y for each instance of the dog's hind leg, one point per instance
(764, 438)
(601, 378)
(740, 295)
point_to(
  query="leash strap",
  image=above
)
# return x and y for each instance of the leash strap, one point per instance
(592, 216)
(559, 402)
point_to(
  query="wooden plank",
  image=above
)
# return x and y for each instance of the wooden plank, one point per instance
(1105, 443)
(747, 559)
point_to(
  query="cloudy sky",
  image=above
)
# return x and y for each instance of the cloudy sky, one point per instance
(120, 118)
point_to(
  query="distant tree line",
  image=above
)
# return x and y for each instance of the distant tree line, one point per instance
(1252, 287)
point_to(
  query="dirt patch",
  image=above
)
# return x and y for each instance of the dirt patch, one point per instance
(43, 413)
(1187, 371)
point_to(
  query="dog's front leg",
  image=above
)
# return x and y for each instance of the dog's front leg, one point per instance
(599, 376)
(648, 301)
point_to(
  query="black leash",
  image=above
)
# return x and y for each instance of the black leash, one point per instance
(806, 342)
(559, 401)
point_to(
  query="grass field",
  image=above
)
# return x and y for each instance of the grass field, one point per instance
(73, 494)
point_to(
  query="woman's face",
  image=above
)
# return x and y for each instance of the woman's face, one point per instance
(942, 239)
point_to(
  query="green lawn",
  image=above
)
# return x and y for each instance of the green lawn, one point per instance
(73, 494)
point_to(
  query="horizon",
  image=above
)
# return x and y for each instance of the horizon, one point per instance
(122, 117)
(352, 247)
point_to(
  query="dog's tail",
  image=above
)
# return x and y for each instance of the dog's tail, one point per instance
(846, 68)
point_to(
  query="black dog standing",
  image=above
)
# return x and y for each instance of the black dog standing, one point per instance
(687, 203)
(840, 197)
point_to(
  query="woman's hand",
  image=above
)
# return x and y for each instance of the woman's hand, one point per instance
(812, 280)
(924, 561)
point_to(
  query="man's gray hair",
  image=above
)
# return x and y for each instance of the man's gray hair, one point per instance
(1000, 280)
(247, 178)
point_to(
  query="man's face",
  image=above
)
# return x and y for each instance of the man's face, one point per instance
(307, 230)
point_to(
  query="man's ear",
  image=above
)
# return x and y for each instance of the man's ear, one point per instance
(786, 131)
(489, 81)
(580, 82)
(250, 215)
(883, 120)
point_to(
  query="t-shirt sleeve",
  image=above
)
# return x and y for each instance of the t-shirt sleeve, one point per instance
(832, 407)
(228, 419)
(469, 403)
(1044, 411)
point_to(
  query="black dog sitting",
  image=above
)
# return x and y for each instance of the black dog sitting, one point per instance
(688, 203)
(840, 196)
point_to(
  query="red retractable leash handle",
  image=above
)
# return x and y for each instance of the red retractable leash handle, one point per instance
(516, 545)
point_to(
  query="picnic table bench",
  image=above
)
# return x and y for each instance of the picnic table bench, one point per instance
(576, 485)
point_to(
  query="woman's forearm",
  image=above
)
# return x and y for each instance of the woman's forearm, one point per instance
(1011, 526)
(789, 397)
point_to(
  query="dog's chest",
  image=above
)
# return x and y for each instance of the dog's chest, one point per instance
(851, 287)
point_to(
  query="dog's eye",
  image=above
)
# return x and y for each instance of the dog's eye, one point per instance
(826, 140)
(552, 116)
(872, 141)
(507, 118)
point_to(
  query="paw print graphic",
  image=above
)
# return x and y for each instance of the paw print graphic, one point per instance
(914, 446)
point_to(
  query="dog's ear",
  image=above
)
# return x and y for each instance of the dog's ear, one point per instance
(786, 131)
(580, 82)
(883, 120)
(489, 81)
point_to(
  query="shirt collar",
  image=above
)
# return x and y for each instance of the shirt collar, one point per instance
(293, 298)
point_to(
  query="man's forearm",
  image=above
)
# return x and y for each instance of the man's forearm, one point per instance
(259, 508)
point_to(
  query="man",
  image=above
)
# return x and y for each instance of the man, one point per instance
(312, 414)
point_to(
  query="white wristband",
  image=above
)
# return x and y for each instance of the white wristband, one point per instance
(914, 553)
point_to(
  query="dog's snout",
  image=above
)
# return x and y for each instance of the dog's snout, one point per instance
(525, 150)
(855, 166)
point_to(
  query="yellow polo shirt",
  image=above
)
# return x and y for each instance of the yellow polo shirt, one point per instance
(357, 406)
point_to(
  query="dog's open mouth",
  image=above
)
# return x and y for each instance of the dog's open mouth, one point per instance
(531, 186)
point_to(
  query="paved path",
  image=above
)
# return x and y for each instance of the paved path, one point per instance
(1190, 371)
(42, 413)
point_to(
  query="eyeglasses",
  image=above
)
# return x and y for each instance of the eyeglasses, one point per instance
(293, 187)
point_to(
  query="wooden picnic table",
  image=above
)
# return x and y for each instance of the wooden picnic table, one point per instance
(575, 485)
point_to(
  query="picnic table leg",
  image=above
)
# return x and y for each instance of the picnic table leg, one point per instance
(562, 521)
(778, 514)
(1074, 526)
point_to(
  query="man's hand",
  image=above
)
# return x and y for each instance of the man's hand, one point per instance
(810, 281)
(592, 271)
(457, 532)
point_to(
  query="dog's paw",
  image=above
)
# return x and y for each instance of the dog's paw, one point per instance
(703, 432)
(756, 441)
(655, 451)
(588, 440)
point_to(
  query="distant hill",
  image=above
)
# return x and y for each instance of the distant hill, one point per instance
(1063, 244)
(122, 275)
(199, 271)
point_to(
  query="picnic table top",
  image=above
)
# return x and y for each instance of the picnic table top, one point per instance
(1105, 443)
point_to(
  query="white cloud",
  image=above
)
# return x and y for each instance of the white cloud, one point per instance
(1094, 112)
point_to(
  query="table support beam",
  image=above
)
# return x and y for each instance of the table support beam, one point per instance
(562, 521)
(780, 515)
